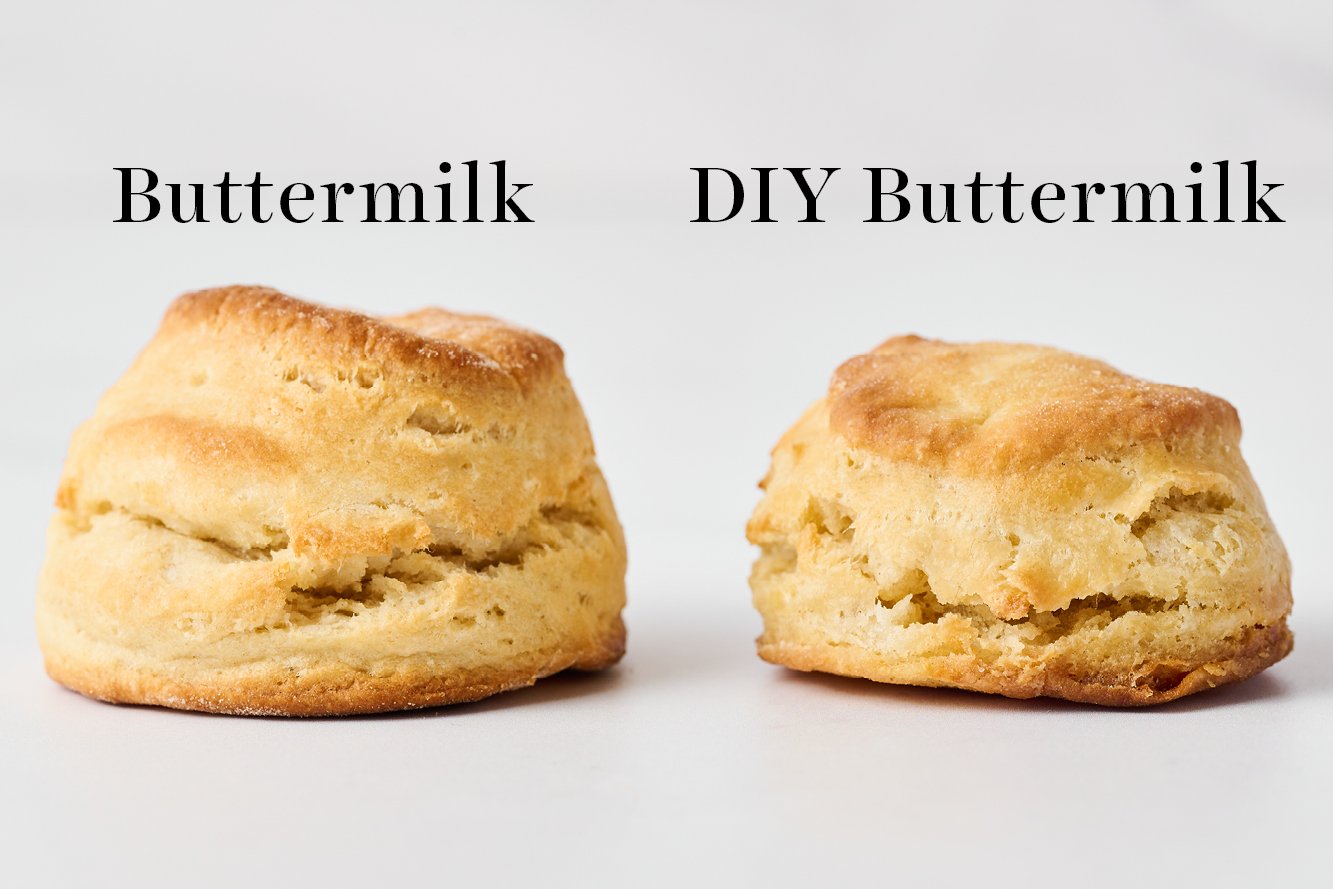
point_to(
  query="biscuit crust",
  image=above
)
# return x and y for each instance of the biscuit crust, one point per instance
(1150, 683)
(1017, 520)
(1001, 407)
(287, 509)
(324, 690)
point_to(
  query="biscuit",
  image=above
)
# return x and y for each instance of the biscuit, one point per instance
(286, 509)
(1018, 520)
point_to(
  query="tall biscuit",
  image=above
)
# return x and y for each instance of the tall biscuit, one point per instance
(288, 509)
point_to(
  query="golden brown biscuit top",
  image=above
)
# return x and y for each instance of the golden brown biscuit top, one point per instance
(433, 342)
(1000, 406)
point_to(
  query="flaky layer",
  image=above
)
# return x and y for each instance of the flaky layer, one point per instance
(261, 421)
(284, 508)
(1136, 566)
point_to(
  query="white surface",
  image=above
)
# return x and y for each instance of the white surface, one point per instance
(692, 347)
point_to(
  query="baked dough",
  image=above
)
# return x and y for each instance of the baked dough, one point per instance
(288, 509)
(1018, 520)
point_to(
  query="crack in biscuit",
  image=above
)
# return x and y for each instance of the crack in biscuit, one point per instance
(310, 605)
(383, 577)
(1175, 501)
(1090, 612)
(508, 551)
(254, 553)
(915, 603)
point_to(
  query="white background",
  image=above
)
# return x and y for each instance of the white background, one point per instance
(692, 347)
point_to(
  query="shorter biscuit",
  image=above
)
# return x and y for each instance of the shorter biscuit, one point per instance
(1018, 520)
(287, 509)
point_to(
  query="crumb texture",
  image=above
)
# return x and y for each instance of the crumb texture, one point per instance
(1017, 520)
(282, 508)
